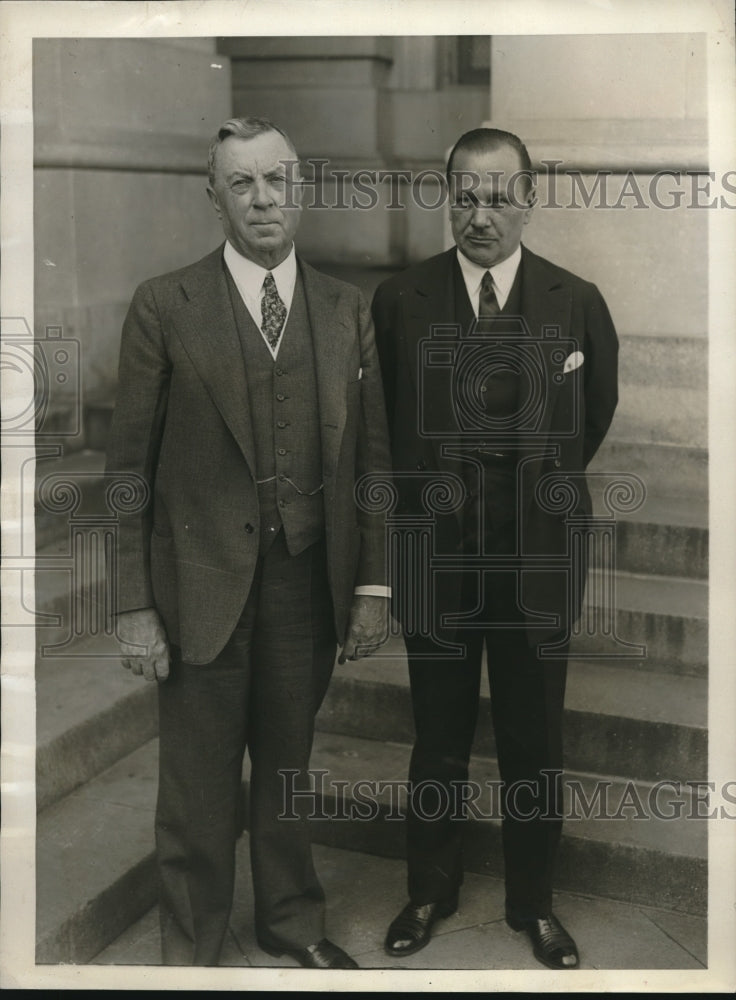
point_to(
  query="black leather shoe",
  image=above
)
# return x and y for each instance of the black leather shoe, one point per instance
(553, 946)
(323, 955)
(412, 929)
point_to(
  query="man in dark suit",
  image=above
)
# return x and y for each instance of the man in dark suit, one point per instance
(249, 404)
(500, 379)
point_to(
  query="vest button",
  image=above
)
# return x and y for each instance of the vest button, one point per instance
(282, 451)
(558, 463)
(421, 466)
(280, 396)
(282, 478)
(281, 424)
(249, 528)
(282, 503)
(279, 371)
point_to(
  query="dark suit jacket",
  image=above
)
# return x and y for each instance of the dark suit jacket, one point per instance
(559, 438)
(182, 423)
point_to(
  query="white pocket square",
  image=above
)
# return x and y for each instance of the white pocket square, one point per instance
(360, 373)
(573, 361)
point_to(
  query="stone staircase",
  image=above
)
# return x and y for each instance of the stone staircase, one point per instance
(630, 724)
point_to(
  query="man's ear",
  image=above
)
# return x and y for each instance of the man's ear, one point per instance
(532, 200)
(214, 200)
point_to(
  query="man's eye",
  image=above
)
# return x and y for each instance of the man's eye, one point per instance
(466, 201)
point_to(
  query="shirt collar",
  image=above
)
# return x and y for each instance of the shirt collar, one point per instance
(249, 276)
(503, 274)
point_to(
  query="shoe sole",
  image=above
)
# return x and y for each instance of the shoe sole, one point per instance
(443, 912)
(274, 953)
(519, 926)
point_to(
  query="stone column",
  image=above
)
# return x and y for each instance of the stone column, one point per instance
(376, 104)
(122, 128)
(615, 111)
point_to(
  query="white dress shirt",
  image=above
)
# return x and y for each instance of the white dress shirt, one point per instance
(503, 275)
(249, 277)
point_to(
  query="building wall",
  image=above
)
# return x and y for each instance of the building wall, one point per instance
(121, 132)
(371, 103)
(622, 109)
(122, 127)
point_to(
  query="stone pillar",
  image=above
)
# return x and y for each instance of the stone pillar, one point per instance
(122, 128)
(613, 124)
(361, 103)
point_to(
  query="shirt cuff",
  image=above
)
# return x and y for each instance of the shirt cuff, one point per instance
(372, 591)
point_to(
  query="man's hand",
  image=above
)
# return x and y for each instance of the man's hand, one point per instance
(143, 645)
(368, 628)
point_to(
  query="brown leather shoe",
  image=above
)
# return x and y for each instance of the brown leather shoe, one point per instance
(412, 929)
(322, 955)
(553, 946)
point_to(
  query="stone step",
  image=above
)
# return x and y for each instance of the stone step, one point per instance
(671, 415)
(95, 872)
(668, 616)
(90, 712)
(618, 721)
(604, 851)
(663, 390)
(666, 536)
(648, 360)
(666, 469)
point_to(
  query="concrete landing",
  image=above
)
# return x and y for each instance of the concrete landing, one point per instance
(364, 893)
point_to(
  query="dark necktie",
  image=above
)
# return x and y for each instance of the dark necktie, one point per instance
(487, 301)
(273, 311)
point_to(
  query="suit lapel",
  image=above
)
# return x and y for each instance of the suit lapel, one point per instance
(431, 304)
(335, 343)
(546, 304)
(206, 327)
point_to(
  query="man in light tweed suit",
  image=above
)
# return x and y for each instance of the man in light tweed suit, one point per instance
(250, 403)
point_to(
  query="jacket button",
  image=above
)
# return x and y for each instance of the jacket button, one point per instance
(421, 466)
(249, 528)
(558, 463)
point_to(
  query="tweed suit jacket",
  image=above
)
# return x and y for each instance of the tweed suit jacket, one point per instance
(182, 427)
(571, 388)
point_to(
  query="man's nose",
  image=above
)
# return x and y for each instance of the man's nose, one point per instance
(262, 194)
(482, 217)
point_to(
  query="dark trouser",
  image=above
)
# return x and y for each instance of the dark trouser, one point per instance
(527, 696)
(263, 692)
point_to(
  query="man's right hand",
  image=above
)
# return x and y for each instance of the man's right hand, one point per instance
(143, 645)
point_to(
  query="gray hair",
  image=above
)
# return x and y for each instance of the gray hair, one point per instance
(243, 128)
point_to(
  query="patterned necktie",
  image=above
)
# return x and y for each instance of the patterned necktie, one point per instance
(487, 301)
(273, 311)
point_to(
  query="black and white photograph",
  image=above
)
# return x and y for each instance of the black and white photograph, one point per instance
(368, 410)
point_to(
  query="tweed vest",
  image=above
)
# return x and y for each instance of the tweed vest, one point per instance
(284, 412)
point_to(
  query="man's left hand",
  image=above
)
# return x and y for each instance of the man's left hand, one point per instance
(368, 628)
